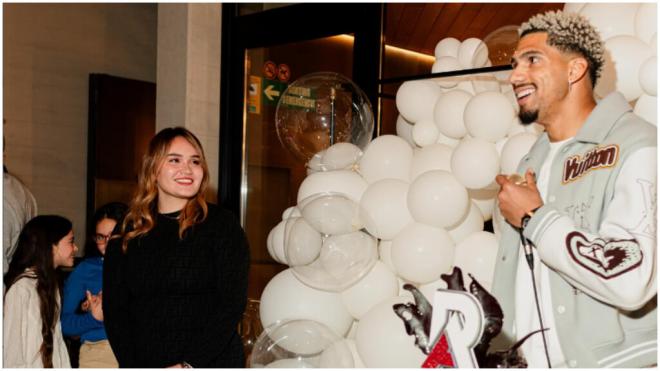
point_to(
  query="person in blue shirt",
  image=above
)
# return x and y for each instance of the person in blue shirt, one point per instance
(82, 313)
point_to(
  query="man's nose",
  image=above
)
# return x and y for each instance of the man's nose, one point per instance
(516, 76)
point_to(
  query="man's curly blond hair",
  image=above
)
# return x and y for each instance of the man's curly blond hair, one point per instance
(570, 32)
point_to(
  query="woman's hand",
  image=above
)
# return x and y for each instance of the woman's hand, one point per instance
(95, 304)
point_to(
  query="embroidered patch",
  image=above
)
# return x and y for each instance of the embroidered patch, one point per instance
(607, 259)
(597, 158)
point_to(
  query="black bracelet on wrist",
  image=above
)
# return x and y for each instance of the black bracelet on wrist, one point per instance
(525, 218)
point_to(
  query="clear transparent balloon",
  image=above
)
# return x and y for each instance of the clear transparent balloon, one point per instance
(300, 344)
(345, 256)
(322, 109)
(501, 44)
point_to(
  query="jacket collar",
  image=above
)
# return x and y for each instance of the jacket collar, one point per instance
(602, 118)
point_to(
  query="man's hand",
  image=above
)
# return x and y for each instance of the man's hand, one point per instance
(517, 199)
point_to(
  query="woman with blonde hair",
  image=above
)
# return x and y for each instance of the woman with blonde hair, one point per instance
(175, 280)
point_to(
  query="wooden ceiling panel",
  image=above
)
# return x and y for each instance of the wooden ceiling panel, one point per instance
(409, 20)
(463, 20)
(441, 26)
(487, 12)
(425, 24)
(419, 27)
(394, 12)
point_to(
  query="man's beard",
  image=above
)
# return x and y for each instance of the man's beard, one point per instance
(528, 117)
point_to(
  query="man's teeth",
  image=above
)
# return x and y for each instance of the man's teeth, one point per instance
(524, 93)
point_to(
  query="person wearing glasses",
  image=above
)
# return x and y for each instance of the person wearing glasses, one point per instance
(82, 313)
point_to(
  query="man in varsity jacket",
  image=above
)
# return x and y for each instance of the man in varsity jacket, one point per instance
(587, 207)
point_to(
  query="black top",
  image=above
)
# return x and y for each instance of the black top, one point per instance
(167, 300)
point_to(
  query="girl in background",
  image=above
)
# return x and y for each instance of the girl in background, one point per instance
(84, 285)
(32, 332)
(175, 283)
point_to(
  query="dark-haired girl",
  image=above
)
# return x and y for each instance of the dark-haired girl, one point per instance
(32, 332)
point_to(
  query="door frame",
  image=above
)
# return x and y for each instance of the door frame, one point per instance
(283, 25)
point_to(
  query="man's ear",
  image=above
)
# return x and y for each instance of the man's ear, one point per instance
(577, 69)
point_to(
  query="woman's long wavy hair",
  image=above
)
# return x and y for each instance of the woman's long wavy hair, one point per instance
(140, 218)
(35, 251)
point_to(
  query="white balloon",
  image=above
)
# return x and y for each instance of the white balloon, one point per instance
(404, 130)
(573, 7)
(346, 182)
(289, 363)
(434, 157)
(488, 115)
(429, 289)
(314, 163)
(386, 157)
(516, 127)
(415, 99)
(290, 212)
(303, 245)
(450, 142)
(473, 221)
(447, 47)
(340, 156)
(476, 255)
(534, 128)
(508, 92)
(646, 107)
(379, 284)
(337, 355)
(383, 208)
(385, 254)
(465, 85)
(623, 60)
(473, 53)
(403, 292)
(350, 342)
(276, 247)
(499, 146)
(437, 198)
(352, 330)
(285, 297)
(514, 150)
(475, 163)
(646, 21)
(448, 113)
(382, 341)
(611, 19)
(485, 200)
(648, 76)
(421, 253)
(486, 82)
(425, 133)
(446, 64)
(332, 214)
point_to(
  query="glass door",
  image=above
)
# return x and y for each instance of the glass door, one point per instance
(271, 174)
(263, 53)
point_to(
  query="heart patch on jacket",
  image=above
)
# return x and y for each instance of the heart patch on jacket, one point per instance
(607, 259)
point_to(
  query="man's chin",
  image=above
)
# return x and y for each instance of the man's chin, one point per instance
(528, 117)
